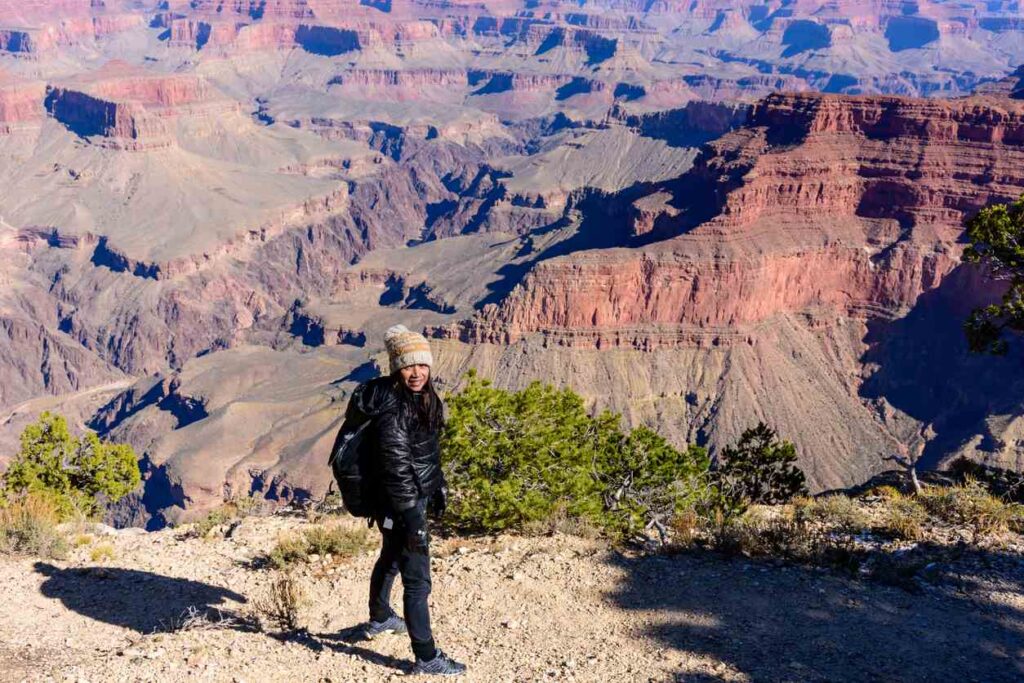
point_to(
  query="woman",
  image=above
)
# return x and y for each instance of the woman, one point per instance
(407, 434)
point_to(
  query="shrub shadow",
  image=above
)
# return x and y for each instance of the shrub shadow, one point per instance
(142, 601)
(791, 623)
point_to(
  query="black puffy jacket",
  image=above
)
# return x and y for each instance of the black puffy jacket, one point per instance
(409, 453)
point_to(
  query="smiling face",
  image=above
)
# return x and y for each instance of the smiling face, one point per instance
(415, 376)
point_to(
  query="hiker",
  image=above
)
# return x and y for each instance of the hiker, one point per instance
(403, 442)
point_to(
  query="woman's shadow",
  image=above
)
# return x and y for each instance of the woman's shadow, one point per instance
(142, 601)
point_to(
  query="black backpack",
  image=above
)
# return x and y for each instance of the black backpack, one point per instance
(351, 460)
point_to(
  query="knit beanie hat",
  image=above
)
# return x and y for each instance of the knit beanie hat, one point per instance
(406, 348)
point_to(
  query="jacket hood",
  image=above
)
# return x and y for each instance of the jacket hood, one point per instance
(376, 397)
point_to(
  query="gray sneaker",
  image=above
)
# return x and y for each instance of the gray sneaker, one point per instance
(440, 665)
(393, 624)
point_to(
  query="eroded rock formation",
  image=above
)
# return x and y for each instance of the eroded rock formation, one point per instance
(801, 230)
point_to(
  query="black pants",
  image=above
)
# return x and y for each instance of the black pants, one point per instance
(395, 559)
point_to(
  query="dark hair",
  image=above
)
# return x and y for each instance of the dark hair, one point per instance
(426, 404)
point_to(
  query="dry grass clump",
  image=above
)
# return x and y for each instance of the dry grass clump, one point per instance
(194, 618)
(225, 514)
(836, 512)
(759, 535)
(28, 525)
(83, 540)
(561, 522)
(290, 548)
(815, 532)
(971, 505)
(885, 492)
(335, 540)
(103, 552)
(331, 504)
(283, 603)
(904, 519)
(1016, 523)
(685, 527)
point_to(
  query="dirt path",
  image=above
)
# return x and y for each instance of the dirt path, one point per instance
(514, 609)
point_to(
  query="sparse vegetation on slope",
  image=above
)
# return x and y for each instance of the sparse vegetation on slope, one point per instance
(29, 525)
(881, 534)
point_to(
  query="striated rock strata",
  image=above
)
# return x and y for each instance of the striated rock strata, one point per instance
(128, 107)
(801, 230)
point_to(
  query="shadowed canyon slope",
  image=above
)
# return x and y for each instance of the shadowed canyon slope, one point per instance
(209, 213)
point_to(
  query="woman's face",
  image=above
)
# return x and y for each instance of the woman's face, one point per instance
(415, 376)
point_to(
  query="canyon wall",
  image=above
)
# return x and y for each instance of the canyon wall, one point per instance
(819, 222)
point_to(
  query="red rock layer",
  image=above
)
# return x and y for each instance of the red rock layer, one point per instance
(34, 27)
(120, 82)
(294, 9)
(392, 78)
(21, 103)
(126, 124)
(129, 106)
(852, 204)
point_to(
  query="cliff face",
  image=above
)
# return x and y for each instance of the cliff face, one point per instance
(128, 108)
(852, 203)
(827, 212)
(21, 103)
(40, 28)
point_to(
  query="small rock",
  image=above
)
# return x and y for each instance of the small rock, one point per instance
(510, 624)
(314, 558)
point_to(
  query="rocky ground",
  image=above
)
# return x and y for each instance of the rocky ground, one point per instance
(514, 608)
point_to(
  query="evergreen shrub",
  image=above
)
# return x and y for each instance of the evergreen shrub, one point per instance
(515, 458)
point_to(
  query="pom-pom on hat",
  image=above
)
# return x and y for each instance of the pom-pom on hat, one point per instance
(406, 348)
